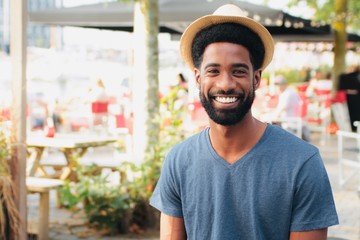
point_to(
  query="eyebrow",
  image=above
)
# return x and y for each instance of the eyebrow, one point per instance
(241, 65)
(234, 65)
(212, 65)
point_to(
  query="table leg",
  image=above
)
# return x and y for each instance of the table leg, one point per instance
(33, 162)
(72, 156)
(43, 231)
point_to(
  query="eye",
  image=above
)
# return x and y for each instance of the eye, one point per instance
(212, 71)
(239, 72)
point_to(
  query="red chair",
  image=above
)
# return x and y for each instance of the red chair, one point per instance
(99, 107)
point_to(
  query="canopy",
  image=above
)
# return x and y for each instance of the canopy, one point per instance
(175, 16)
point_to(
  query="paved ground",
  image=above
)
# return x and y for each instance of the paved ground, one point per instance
(65, 225)
(347, 197)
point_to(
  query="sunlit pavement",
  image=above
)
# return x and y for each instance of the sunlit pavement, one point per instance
(68, 225)
(347, 197)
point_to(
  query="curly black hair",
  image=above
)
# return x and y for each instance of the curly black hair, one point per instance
(232, 33)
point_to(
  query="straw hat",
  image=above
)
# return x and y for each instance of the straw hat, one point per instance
(228, 13)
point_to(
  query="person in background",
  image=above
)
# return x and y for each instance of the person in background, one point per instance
(306, 74)
(55, 111)
(99, 103)
(349, 82)
(182, 92)
(39, 112)
(288, 101)
(323, 85)
(182, 82)
(178, 94)
(320, 85)
(288, 106)
(240, 178)
(174, 105)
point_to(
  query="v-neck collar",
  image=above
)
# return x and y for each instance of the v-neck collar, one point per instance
(216, 157)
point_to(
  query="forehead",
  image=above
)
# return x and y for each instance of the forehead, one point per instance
(223, 53)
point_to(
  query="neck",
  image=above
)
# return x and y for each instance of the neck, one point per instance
(233, 142)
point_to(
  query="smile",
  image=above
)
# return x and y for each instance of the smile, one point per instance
(226, 99)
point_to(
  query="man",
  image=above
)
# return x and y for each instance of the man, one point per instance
(288, 107)
(289, 100)
(239, 178)
(350, 82)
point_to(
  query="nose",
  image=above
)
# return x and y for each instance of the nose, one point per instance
(226, 82)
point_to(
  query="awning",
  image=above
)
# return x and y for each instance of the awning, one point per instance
(176, 15)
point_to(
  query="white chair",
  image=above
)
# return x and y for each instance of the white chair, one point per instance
(341, 115)
(291, 124)
(318, 116)
(349, 155)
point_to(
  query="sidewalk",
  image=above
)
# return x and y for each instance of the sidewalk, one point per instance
(65, 225)
(347, 198)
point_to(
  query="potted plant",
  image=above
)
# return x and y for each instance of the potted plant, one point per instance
(9, 215)
(106, 206)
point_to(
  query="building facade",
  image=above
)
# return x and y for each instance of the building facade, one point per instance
(38, 35)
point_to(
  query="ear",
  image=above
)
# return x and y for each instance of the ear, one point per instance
(257, 78)
(197, 77)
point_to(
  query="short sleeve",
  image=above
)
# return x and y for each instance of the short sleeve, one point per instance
(313, 204)
(166, 196)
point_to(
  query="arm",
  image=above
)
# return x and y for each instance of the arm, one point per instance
(172, 228)
(320, 234)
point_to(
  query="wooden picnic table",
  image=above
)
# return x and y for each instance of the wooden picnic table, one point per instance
(73, 146)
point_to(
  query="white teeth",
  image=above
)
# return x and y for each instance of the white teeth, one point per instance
(226, 99)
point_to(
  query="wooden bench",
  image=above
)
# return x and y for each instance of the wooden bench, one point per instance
(43, 186)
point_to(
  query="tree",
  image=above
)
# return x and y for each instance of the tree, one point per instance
(343, 17)
(145, 81)
(17, 165)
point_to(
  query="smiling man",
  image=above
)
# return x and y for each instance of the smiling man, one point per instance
(239, 178)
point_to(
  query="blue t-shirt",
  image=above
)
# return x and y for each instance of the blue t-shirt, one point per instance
(279, 186)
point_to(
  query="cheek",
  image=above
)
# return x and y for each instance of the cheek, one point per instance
(203, 90)
(200, 83)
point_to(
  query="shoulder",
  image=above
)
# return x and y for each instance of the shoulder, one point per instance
(279, 135)
(284, 143)
(182, 152)
(193, 141)
(299, 161)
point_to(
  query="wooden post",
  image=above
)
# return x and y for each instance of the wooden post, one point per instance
(18, 35)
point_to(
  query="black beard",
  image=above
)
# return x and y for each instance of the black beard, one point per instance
(228, 117)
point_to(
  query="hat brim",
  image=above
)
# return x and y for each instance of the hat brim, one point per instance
(190, 32)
